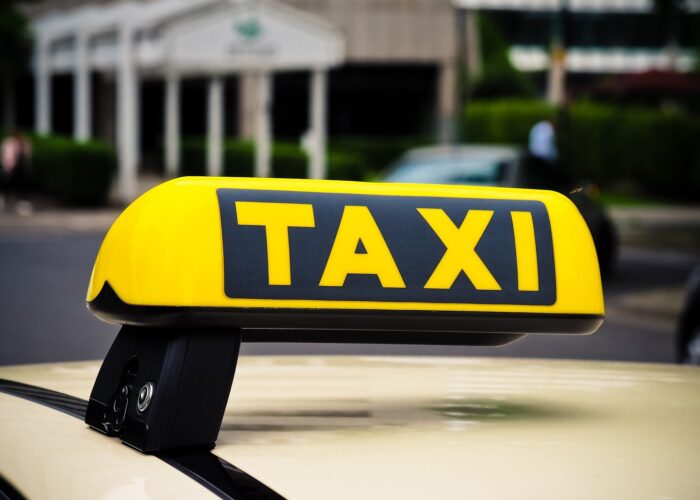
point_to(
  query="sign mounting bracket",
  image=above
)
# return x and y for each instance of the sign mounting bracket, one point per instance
(165, 388)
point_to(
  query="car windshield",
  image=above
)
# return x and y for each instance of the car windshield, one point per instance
(449, 170)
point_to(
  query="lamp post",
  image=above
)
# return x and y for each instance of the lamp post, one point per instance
(556, 84)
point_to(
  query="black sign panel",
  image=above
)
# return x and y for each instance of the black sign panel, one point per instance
(415, 248)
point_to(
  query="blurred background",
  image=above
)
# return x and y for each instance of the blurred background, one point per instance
(597, 99)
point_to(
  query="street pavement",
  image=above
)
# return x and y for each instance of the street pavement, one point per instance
(46, 260)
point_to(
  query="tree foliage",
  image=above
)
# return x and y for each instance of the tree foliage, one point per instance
(15, 41)
(498, 78)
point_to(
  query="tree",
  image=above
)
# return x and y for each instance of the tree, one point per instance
(498, 78)
(15, 41)
(15, 51)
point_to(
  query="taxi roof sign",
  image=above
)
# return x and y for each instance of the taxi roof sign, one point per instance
(197, 264)
(300, 260)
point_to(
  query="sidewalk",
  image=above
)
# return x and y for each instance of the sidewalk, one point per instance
(674, 227)
(49, 218)
(60, 220)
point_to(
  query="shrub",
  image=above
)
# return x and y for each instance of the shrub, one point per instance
(192, 159)
(288, 160)
(73, 172)
(656, 150)
(503, 121)
(349, 158)
(346, 166)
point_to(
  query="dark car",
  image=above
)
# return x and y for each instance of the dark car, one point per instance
(507, 166)
(688, 338)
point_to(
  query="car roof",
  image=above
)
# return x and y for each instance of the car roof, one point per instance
(464, 151)
(417, 427)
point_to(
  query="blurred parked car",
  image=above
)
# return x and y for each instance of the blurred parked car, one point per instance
(507, 166)
(688, 338)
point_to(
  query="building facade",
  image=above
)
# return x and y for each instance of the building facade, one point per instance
(397, 75)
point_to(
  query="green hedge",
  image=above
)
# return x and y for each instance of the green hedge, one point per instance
(656, 151)
(356, 158)
(659, 150)
(504, 121)
(72, 172)
(288, 160)
(373, 155)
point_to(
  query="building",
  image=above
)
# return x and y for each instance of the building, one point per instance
(390, 66)
(392, 73)
(599, 37)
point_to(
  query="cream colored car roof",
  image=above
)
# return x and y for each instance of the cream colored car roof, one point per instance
(422, 427)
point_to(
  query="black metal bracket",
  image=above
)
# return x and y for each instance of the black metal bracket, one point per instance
(164, 388)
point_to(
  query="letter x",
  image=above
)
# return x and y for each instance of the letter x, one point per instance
(460, 254)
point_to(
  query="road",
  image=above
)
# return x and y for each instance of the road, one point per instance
(44, 275)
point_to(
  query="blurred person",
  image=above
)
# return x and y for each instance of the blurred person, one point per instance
(543, 142)
(15, 159)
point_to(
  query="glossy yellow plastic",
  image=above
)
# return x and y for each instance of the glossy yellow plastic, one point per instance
(166, 248)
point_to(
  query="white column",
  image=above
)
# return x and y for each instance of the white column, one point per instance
(172, 125)
(126, 117)
(448, 114)
(247, 90)
(137, 120)
(263, 110)
(215, 127)
(317, 159)
(81, 89)
(42, 120)
(556, 79)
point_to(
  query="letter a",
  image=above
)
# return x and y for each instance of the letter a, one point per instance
(357, 225)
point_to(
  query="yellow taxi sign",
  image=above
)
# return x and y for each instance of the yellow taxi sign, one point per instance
(299, 255)
(385, 248)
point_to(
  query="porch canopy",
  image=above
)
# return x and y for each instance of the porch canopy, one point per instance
(177, 38)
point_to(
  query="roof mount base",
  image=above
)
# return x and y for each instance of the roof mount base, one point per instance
(164, 388)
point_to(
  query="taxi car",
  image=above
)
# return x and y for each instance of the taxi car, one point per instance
(196, 266)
